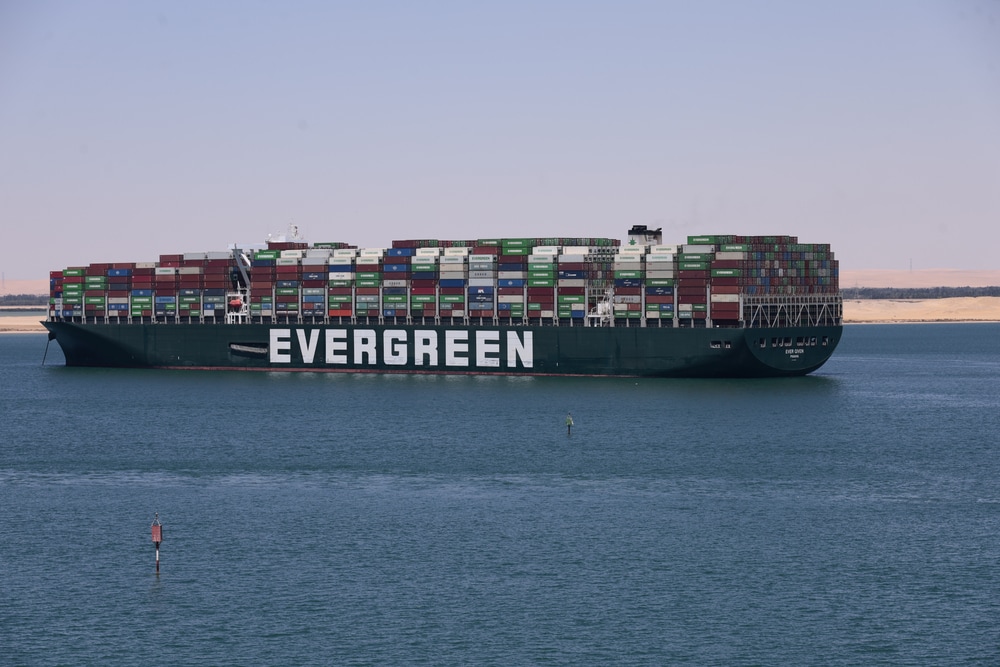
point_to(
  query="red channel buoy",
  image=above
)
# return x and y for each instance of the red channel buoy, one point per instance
(157, 530)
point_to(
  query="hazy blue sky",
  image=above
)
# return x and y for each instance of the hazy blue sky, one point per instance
(130, 129)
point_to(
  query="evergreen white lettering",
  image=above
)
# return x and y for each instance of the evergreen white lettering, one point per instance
(422, 348)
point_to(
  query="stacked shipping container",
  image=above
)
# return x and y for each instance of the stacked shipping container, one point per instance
(708, 280)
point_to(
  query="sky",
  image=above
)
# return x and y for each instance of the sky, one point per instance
(134, 129)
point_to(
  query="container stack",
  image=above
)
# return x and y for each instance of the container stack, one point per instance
(708, 280)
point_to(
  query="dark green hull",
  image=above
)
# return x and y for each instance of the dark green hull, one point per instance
(523, 350)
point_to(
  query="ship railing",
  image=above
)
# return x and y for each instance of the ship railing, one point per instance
(792, 311)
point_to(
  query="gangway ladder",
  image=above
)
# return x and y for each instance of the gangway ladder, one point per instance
(238, 298)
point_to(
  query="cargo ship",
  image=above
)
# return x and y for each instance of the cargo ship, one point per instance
(714, 306)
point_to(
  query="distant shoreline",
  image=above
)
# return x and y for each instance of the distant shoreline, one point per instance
(856, 311)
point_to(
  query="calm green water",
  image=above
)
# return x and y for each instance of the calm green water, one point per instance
(847, 518)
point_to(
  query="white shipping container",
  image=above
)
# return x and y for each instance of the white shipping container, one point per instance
(194, 257)
(685, 307)
(548, 313)
(480, 274)
(572, 258)
(458, 313)
(318, 252)
(701, 249)
(452, 259)
(572, 282)
(456, 252)
(145, 265)
(345, 252)
(481, 282)
(314, 261)
(669, 249)
(190, 270)
(290, 254)
(627, 266)
(544, 250)
(394, 283)
(579, 306)
(217, 254)
(652, 314)
(660, 257)
(731, 255)
(371, 252)
(452, 275)
(341, 275)
(428, 252)
(117, 299)
(659, 274)
(313, 291)
(510, 298)
(512, 275)
(286, 261)
(580, 250)
(725, 298)
(628, 298)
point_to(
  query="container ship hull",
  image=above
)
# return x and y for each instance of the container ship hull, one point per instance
(630, 351)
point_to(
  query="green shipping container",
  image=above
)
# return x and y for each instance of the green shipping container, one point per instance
(628, 274)
(726, 273)
(692, 266)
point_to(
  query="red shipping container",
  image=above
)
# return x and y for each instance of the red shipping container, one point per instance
(424, 282)
(536, 291)
(367, 290)
(341, 312)
(340, 291)
(577, 291)
(659, 298)
(682, 298)
(510, 290)
(422, 290)
(688, 291)
(452, 290)
(725, 281)
(725, 289)
(628, 291)
(486, 250)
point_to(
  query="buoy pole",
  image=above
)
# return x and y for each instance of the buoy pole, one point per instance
(157, 530)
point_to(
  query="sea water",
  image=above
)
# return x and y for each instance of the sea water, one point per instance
(851, 517)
